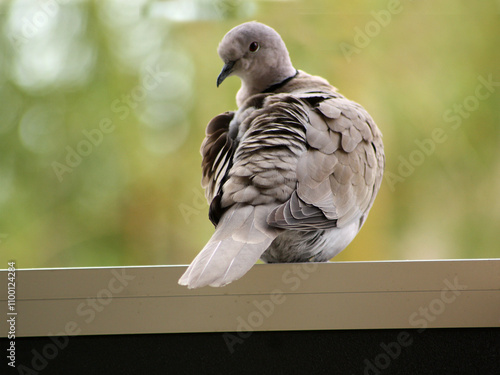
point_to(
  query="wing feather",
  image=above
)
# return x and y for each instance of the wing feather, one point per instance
(341, 171)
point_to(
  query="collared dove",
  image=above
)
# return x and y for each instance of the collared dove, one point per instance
(291, 175)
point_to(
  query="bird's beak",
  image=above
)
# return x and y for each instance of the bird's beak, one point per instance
(225, 72)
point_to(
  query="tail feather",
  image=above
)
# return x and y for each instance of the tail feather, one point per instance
(241, 237)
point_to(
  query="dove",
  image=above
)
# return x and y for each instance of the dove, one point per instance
(291, 175)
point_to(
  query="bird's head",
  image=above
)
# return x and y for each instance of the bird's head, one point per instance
(255, 53)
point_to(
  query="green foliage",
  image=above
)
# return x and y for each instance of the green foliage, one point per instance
(103, 107)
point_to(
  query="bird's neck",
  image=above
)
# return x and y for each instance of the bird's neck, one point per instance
(251, 86)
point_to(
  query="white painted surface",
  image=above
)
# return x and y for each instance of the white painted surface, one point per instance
(341, 295)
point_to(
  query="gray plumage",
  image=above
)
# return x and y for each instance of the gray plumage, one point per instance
(292, 174)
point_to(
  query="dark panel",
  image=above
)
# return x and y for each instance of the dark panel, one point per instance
(370, 352)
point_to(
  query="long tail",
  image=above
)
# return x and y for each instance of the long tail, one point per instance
(241, 237)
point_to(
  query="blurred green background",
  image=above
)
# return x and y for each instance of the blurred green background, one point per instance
(104, 105)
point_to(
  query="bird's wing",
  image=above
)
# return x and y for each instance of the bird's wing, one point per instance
(217, 150)
(340, 174)
(260, 175)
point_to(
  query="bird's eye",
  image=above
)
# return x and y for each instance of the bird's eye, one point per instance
(254, 46)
